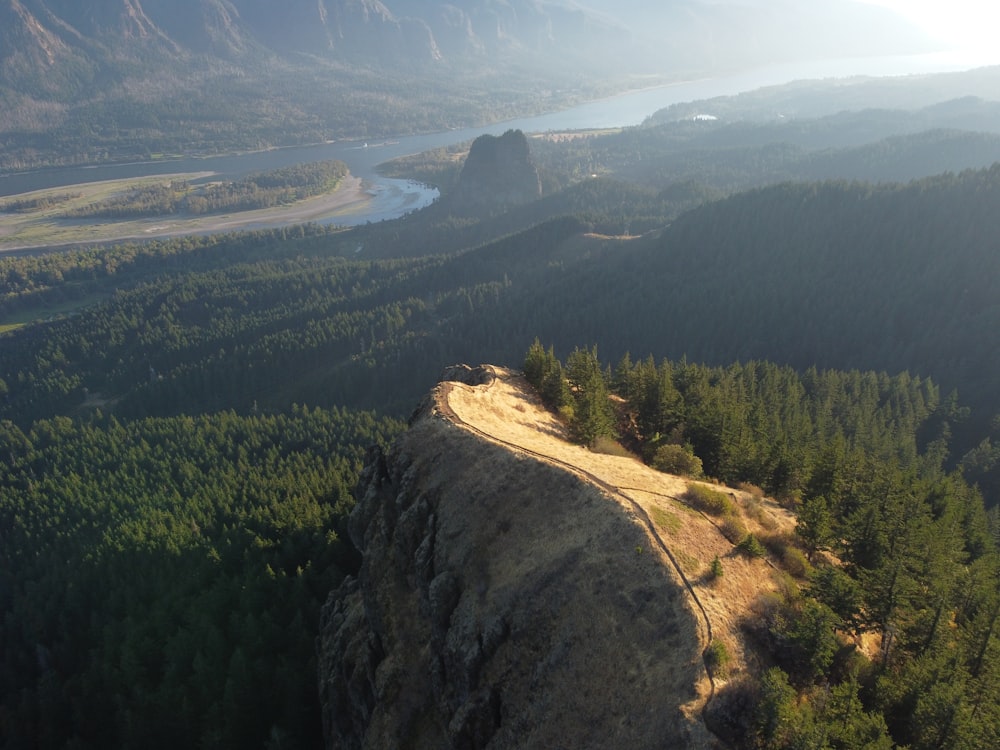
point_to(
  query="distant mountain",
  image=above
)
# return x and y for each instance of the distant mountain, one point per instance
(173, 76)
(41, 35)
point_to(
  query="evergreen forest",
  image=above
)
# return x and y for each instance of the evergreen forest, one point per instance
(182, 423)
(913, 561)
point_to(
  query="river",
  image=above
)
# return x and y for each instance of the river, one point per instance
(392, 198)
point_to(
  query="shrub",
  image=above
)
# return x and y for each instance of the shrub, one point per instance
(677, 459)
(794, 561)
(709, 501)
(751, 546)
(730, 715)
(566, 413)
(610, 447)
(788, 589)
(717, 658)
(732, 528)
(715, 569)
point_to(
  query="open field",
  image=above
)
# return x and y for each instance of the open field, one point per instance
(50, 227)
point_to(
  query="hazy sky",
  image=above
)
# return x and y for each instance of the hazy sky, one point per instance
(969, 24)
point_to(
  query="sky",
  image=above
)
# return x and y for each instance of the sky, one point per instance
(967, 24)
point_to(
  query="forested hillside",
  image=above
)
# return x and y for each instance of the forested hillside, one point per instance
(741, 147)
(833, 275)
(891, 642)
(162, 578)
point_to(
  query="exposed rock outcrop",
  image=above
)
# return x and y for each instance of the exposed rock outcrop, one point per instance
(503, 603)
(498, 173)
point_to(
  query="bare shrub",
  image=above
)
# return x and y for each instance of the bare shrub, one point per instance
(766, 521)
(791, 500)
(776, 543)
(754, 508)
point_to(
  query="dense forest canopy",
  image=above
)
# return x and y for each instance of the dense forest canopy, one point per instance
(162, 578)
(836, 275)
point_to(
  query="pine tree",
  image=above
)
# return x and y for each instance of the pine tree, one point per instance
(815, 525)
(536, 364)
(593, 417)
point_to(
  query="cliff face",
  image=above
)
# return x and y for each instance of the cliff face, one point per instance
(502, 602)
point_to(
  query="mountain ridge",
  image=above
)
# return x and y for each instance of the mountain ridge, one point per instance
(122, 80)
(90, 43)
(548, 582)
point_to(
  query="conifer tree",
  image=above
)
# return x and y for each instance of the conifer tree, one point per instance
(593, 417)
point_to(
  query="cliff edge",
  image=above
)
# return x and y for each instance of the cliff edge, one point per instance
(509, 599)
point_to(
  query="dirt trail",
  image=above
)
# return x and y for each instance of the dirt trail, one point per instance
(508, 412)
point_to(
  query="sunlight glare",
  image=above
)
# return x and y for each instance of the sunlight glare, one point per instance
(962, 24)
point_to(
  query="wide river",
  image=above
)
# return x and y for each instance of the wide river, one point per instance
(393, 198)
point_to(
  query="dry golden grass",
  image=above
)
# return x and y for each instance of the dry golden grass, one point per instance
(509, 412)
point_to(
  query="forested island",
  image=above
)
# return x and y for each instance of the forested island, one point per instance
(177, 204)
(261, 190)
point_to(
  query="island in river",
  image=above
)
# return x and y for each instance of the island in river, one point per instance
(50, 218)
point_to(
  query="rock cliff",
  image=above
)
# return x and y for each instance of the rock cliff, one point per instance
(502, 602)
